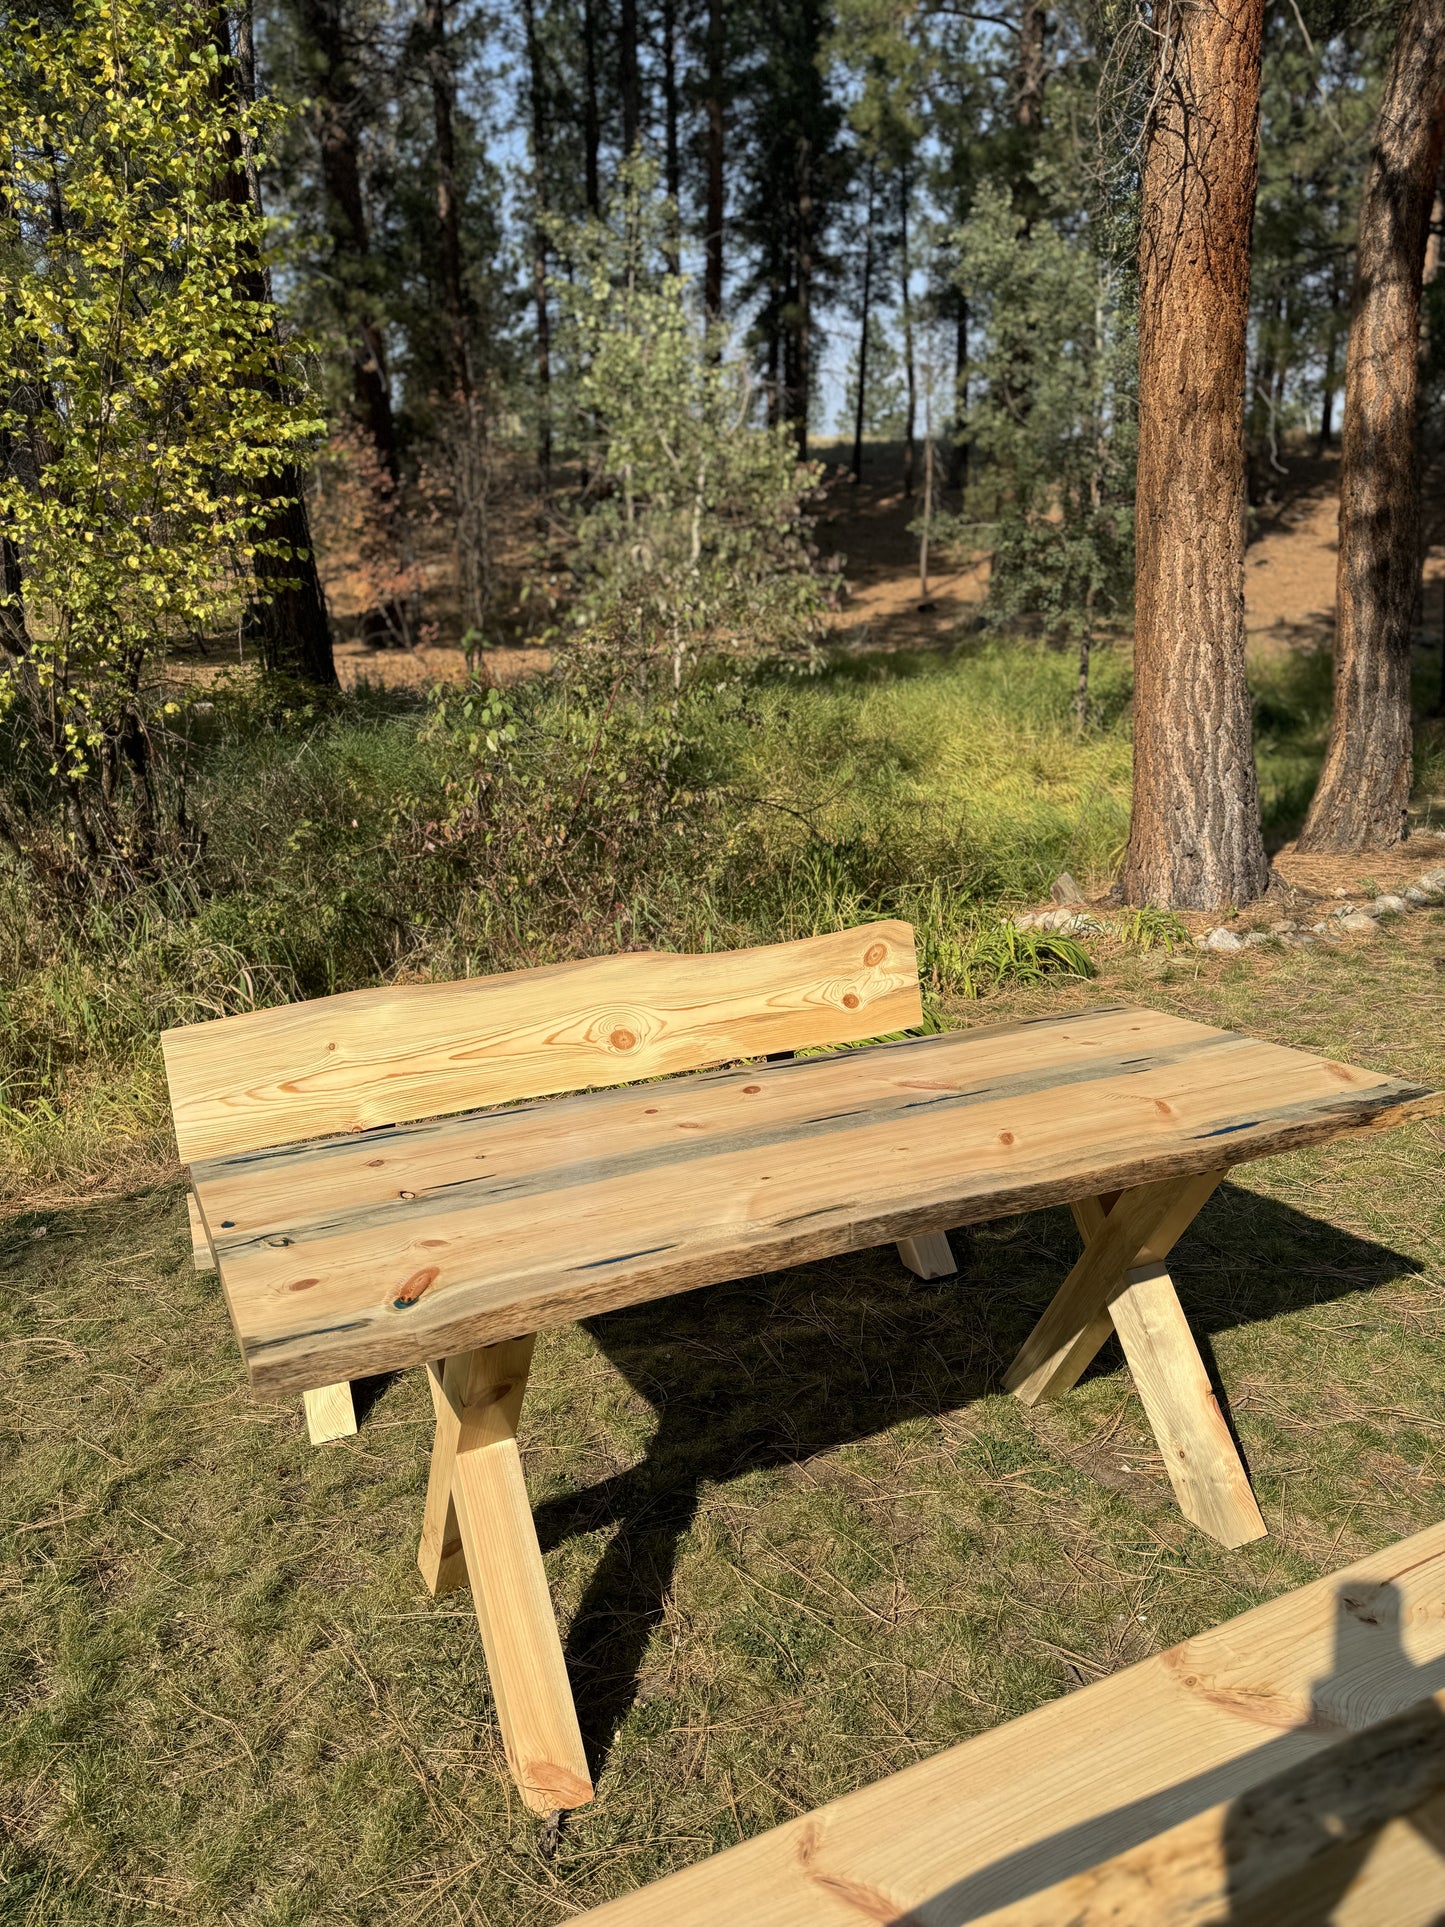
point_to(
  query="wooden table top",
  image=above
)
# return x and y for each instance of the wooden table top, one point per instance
(387, 1247)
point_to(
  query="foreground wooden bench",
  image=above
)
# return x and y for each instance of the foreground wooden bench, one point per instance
(1286, 1767)
(359, 1226)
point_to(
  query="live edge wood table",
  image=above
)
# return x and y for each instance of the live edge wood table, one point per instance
(360, 1225)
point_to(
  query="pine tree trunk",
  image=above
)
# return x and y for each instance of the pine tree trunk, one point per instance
(958, 428)
(332, 98)
(591, 119)
(672, 161)
(538, 103)
(631, 79)
(803, 391)
(1194, 837)
(468, 464)
(286, 620)
(1361, 799)
(716, 155)
(909, 371)
(860, 406)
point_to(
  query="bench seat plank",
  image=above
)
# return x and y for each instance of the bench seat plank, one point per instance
(386, 1248)
(1009, 1813)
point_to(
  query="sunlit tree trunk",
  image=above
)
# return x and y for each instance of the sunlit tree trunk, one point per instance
(1361, 799)
(1194, 837)
(910, 372)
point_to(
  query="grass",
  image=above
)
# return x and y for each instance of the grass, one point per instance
(796, 1535)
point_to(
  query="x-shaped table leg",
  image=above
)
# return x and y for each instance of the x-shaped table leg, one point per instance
(1121, 1284)
(478, 1528)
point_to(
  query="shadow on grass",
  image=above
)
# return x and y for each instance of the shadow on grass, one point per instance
(769, 1371)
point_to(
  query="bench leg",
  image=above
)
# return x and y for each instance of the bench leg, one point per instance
(477, 1492)
(1121, 1284)
(929, 1255)
(330, 1412)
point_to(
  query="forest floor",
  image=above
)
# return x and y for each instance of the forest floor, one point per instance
(797, 1535)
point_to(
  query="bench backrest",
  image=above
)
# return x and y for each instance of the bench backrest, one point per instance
(390, 1056)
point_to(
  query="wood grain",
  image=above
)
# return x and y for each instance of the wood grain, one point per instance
(377, 1057)
(929, 1255)
(1289, 1851)
(1145, 1223)
(1200, 1457)
(365, 1254)
(535, 1713)
(1094, 1773)
(202, 1256)
(330, 1412)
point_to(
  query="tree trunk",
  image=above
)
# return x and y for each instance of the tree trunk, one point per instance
(804, 380)
(469, 482)
(1030, 73)
(910, 373)
(286, 619)
(712, 289)
(861, 405)
(1194, 837)
(958, 428)
(1327, 398)
(631, 80)
(1361, 799)
(591, 120)
(332, 97)
(672, 164)
(537, 88)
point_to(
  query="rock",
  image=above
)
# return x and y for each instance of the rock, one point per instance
(1219, 939)
(1025, 922)
(1286, 927)
(1339, 893)
(1359, 924)
(1343, 910)
(1388, 905)
(1252, 937)
(1063, 889)
(1433, 880)
(1420, 898)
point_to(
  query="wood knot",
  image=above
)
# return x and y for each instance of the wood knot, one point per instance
(851, 1000)
(415, 1286)
(622, 1040)
(302, 1284)
(751, 1090)
(1005, 1137)
(874, 954)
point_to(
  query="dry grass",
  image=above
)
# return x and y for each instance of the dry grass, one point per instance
(796, 1535)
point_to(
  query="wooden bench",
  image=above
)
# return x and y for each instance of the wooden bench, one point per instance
(1287, 1767)
(360, 1226)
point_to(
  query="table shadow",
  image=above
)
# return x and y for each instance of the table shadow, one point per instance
(769, 1371)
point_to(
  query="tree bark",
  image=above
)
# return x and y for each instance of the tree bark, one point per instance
(804, 383)
(672, 162)
(332, 106)
(1363, 793)
(631, 79)
(712, 293)
(591, 121)
(1030, 73)
(861, 404)
(909, 372)
(286, 621)
(469, 482)
(1194, 837)
(538, 104)
(958, 427)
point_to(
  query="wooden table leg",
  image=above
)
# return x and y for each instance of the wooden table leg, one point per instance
(477, 1513)
(1121, 1284)
(330, 1412)
(929, 1255)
